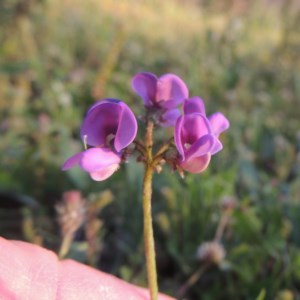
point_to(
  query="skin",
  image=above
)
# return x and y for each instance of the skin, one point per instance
(31, 272)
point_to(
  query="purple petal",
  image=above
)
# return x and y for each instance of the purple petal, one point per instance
(72, 161)
(127, 128)
(194, 127)
(218, 123)
(177, 135)
(217, 147)
(171, 87)
(104, 173)
(96, 159)
(102, 120)
(201, 147)
(170, 117)
(144, 84)
(100, 102)
(197, 164)
(194, 105)
(170, 104)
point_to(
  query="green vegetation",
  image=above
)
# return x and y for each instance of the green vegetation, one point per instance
(58, 56)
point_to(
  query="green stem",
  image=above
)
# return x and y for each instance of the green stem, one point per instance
(148, 228)
(140, 147)
(221, 227)
(159, 155)
(192, 280)
(65, 245)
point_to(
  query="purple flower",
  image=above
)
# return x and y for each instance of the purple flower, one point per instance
(111, 123)
(196, 136)
(108, 128)
(163, 93)
(100, 163)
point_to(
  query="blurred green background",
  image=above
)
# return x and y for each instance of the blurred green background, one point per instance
(242, 57)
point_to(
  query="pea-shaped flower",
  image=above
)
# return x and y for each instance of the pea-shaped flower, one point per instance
(108, 128)
(162, 94)
(196, 136)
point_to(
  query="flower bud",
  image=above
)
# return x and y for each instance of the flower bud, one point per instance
(71, 212)
(211, 252)
(228, 203)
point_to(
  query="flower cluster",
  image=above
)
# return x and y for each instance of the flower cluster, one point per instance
(110, 126)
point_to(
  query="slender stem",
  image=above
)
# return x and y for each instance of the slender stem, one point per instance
(149, 140)
(159, 155)
(164, 148)
(221, 227)
(65, 245)
(140, 147)
(192, 280)
(148, 228)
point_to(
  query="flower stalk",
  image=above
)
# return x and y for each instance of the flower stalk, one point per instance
(110, 127)
(192, 280)
(148, 228)
(65, 245)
